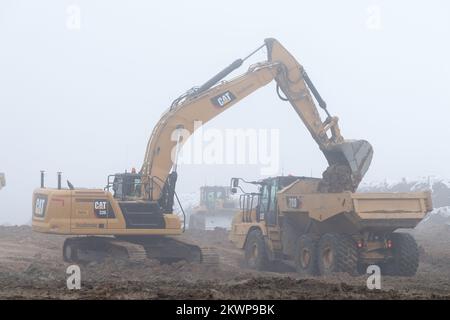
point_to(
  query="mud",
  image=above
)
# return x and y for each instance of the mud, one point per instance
(31, 267)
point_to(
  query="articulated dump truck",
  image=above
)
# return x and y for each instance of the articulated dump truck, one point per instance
(323, 233)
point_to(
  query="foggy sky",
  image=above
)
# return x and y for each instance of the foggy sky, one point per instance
(85, 101)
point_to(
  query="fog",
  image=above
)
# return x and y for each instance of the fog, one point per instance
(83, 98)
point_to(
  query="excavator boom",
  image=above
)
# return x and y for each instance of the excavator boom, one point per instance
(199, 105)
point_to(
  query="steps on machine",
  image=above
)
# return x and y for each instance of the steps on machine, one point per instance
(274, 236)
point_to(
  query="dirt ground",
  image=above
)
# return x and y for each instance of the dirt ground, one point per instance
(31, 267)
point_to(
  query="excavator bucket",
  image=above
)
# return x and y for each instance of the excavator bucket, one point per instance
(355, 154)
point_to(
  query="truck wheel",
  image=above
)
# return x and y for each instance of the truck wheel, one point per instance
(255, 251)
(337, 253)
(306, 255)
(70, 251)
(406, 256)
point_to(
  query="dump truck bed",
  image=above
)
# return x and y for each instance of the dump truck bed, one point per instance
(411, 205)
(354, 212)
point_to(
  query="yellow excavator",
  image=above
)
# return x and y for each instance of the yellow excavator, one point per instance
(133, 217)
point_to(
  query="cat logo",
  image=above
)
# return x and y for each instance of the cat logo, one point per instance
(223, 99)
(101, 208)
(39, 207)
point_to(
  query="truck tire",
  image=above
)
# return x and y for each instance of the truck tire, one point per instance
(255, 251)
(306, 255)
(337, 253)
(406, 256)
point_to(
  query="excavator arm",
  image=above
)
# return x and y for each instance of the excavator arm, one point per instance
(199, 105)
(348, 160)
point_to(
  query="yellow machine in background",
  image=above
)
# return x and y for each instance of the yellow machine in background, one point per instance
(137, 208)
(216, 209)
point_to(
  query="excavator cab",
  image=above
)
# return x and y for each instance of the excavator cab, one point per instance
(125, 186)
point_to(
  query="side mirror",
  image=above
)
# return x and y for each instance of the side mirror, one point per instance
(234, 182)
(233, 190)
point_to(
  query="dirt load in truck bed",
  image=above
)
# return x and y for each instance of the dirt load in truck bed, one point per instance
(31, 267)
(336, 178)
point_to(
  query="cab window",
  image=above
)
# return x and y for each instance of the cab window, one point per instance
(273, 196)
(264, 203)
(127, 187)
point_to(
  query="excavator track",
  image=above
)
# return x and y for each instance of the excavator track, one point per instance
(136, 253)
(137, 250)
(88, 249)
(169, 249)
